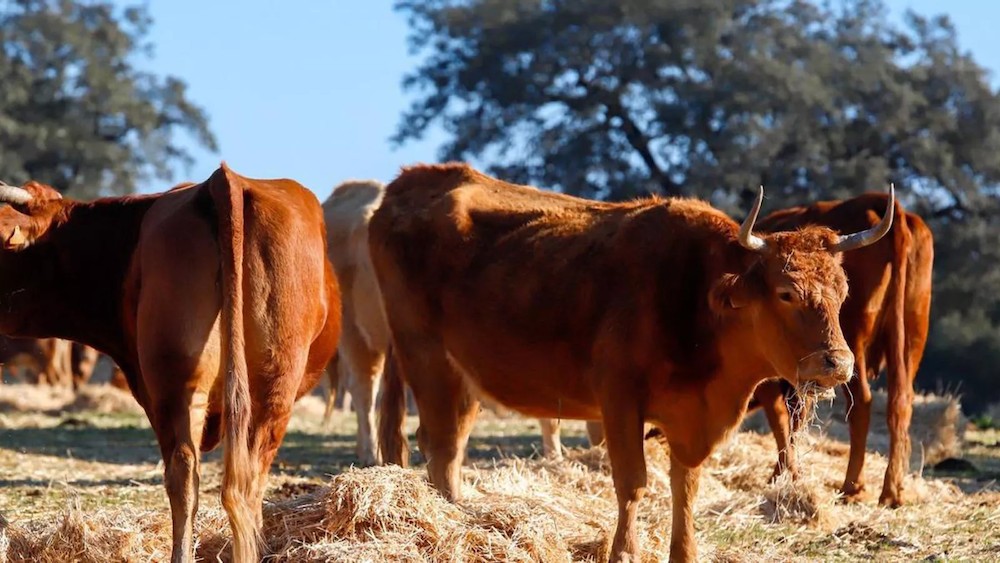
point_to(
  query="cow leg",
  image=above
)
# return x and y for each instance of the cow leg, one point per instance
(771, 397)
(333, 376)
(551, 445)
(447, 410)
(267, 433)
(623, 433)
(364, 388)
(858, 417)
(899, 412)
(179, 427)
(595, 432)
(684, 489)
(361, 369)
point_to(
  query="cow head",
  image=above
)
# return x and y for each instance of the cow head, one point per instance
(790, 294)
(28, 216)
(29, 213)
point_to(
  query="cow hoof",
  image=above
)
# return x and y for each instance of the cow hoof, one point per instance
(779, 470)
(891, 500)
(852, 492)
(367, 460)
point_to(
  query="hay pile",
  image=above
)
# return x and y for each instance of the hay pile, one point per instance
(937, 427)
(540, 510)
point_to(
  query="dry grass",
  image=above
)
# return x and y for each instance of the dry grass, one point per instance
(538, 510)
(936, 431)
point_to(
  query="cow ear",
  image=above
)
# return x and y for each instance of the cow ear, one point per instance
(730, 292)
(16, 239)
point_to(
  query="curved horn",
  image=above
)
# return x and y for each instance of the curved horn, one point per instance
(872, 235)
(15, 195)
(749, 240)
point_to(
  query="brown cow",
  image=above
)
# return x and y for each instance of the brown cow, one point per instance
(83, 360)
(51, 361)
(885, 321)
(365, 338)
(659, 310)
(215, 299)
(41, 360)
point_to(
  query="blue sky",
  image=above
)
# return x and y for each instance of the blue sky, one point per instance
(311, 89)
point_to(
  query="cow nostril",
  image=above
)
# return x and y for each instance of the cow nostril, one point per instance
(831, 361)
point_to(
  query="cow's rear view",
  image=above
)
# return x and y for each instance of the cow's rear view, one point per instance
(217, 302)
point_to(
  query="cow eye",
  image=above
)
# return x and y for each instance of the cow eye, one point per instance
(786, 295)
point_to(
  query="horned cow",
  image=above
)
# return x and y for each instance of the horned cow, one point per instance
(659, 310)
(885, 320)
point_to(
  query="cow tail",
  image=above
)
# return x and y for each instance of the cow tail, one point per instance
(895, 349)
(239, 478)
(900, 386)
(392, 414)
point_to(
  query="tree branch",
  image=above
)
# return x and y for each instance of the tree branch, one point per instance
(637, 139)
(633, 133)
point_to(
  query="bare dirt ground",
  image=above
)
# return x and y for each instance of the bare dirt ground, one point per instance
(81, 480)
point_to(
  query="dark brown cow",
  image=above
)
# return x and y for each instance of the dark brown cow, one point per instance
(216, 300)
(659, 310)
(885, 321)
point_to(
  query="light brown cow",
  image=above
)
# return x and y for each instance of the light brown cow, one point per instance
(216, 300)
(360, 357)
(361, 353)
(659, 310)
(885, 321)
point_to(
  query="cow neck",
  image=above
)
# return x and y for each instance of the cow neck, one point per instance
(702, 408)
(74, 276)
(701, 412)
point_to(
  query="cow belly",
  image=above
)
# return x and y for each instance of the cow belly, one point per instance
(535, 381)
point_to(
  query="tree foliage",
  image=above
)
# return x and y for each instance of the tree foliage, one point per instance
(613, 99)
(75, 110)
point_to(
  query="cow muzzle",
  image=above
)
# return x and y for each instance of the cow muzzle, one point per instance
(826, 368)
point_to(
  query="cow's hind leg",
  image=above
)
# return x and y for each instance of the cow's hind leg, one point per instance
(275, 383)
(179, 426)
(447, 410)
(364, 383)
(267, 432)
(334, 373)
(361, 366)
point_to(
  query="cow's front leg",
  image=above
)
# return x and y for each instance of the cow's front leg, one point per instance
(684, 489)
(623, 435)
(551, 444)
